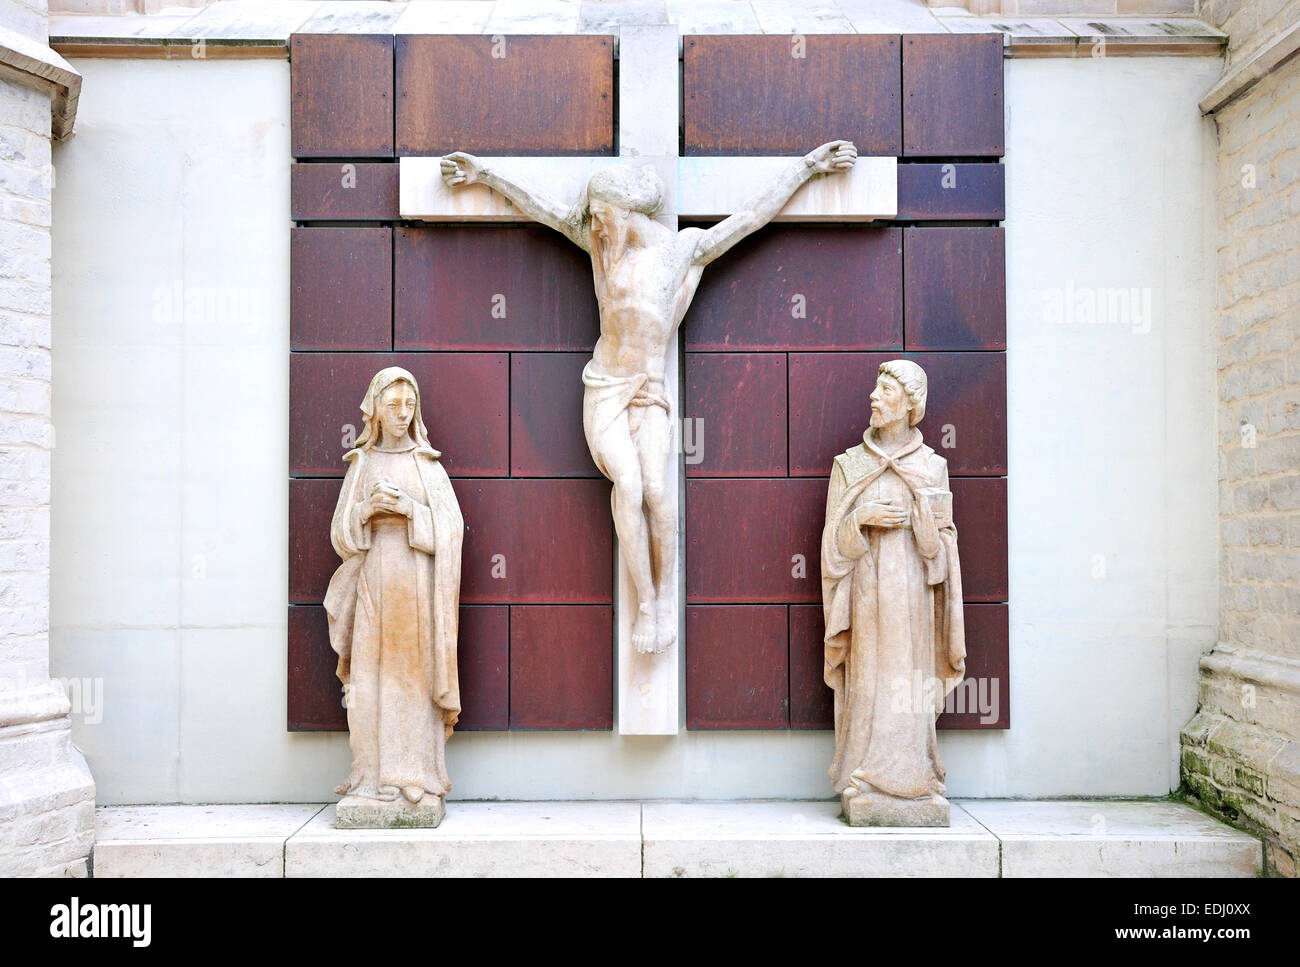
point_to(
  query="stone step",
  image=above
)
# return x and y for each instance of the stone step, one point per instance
(987, 838)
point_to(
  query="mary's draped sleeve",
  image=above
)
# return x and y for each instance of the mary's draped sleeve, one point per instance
(438, 529)
(351, 538)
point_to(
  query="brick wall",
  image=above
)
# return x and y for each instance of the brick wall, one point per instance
(47, 812)
(1241, 753)
(25, 432)
(1249, 24)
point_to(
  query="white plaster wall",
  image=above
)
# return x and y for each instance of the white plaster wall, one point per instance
(169, 550)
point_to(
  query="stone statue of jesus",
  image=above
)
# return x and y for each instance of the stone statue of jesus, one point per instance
(645, 275)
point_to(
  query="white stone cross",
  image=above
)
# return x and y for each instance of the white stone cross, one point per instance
(649, 686)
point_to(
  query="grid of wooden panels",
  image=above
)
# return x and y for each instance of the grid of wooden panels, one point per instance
(786, 334)
(495, 323)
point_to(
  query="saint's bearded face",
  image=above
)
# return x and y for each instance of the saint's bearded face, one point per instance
(889, 402)
(396, 410)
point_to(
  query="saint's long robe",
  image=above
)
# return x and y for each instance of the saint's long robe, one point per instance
(393, 611)
(893, 609)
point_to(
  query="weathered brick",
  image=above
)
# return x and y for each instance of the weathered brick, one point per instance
(1267, 530)
(1283, 492)
(1265, 375)
(1248, 496)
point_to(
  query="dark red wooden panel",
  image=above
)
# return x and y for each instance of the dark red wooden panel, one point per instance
(483, 667)
(754, 540)
(492, 288)
(983, 700)
(812, 703)
(736, 667)
(521, 95)
(966, 407)
(979, 509)
(765, 95)
(802, 288)
(312, 560)
(952, 95)
(342, 88)
(315, 700)
(956, 285)
(951, 192)
(341, 288)
(362, 191)
(546, 437)
(561, 667)
(735, 403)
(549, 541)
(464, 400)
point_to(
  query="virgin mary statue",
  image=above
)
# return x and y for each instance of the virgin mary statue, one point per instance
(891, 588)
(392, 606)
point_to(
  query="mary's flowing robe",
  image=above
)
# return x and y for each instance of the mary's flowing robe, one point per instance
(895, 638)
(393, 609)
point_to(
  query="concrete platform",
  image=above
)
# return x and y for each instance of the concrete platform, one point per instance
(987, 838)
(776, 839)
(1109, 838)
(189, 841)
(479, 839)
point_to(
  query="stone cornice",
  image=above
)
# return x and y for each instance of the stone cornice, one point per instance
(32, 62)
(236, 29)
(1238, 79)
(1262, 668)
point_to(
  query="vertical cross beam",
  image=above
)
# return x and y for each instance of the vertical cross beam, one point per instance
(647, 700)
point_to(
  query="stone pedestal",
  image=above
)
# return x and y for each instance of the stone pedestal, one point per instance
(877, 809)
(357, 812)
(47, 797)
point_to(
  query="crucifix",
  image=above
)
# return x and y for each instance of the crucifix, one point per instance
(624, 213)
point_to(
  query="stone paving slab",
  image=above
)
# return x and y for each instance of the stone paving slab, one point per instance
(788, 839)
(196, 841)
(543, 839)
(1096, 838)
(987, 838)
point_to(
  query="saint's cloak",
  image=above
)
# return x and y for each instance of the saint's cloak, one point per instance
(893, 609)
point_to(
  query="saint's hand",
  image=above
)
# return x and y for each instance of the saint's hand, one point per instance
(831, 156)
(882, 513)
(459, 168)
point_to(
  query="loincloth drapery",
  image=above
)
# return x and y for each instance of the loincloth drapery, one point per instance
(605, 399)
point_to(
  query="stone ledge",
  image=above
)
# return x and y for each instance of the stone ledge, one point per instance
(988, 838)
(35, 63)
(1239, 78)
(246, 28)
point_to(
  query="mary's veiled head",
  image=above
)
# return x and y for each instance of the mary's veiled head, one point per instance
(371, 409)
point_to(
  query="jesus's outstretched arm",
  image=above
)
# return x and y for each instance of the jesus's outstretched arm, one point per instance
(831, 156)
(460, 168)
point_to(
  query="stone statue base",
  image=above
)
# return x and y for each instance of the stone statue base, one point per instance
(878, 809)
(358, 812)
